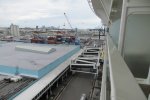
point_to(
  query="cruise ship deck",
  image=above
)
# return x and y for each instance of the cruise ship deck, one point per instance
(126, 64)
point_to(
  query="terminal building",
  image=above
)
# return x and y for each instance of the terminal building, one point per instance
(32, 62)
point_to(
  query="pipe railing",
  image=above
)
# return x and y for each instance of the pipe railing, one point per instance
(122, 82)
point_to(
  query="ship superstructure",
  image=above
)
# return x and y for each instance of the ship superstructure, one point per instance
(126, 74)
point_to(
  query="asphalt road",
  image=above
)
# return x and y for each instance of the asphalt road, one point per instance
(80, 84)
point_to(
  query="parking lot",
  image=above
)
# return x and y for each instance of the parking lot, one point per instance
(10, 88)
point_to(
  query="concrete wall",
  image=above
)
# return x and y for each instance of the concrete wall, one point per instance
(137, 44)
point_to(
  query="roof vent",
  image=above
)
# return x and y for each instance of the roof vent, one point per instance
(35, 49)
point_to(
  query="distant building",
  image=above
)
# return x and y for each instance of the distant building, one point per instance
(37, 28)
(4, 30)
(14, 30)
(43, 29)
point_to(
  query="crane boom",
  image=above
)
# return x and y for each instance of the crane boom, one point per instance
(68, 20)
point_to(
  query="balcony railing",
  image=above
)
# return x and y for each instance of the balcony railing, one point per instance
(123, 85)
(103, 94)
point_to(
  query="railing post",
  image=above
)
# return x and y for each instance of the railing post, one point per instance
(122, 27)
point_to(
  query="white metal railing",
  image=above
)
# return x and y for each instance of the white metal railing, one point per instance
(104, 77)
(123, 84)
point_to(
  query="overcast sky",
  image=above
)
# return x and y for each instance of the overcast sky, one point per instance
(29, 13)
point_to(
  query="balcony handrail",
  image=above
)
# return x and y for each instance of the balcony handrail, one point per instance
(104, 77)
(123, 84)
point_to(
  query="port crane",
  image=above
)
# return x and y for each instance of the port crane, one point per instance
(68, 20)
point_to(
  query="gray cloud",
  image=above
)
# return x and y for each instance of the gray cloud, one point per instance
(33, 12)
